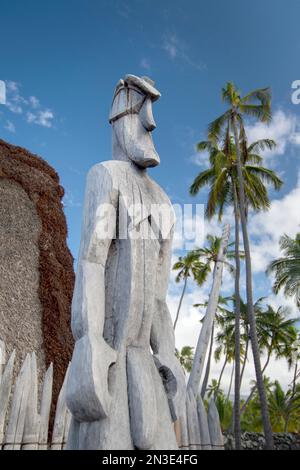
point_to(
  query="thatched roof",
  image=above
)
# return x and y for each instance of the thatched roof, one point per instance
(41, 183)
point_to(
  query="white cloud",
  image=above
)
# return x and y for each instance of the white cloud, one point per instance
(176, 48)
(34, 102)
(69, 200)
(171, 45)
(42, 118)
(145, 63)
(14, 107)
(30, 107)
(30, 117)
(200, 159)
(284, 129)
(9, 126)
(12, 86)
(2, 92)
(45, 118)
(283, 217)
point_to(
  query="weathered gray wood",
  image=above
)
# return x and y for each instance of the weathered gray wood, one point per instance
(2, 358)
(119, 305)
(32, 420)
(192, 422)
(5, 390)
(45, 408)
(67, 428)
(15, 428)
(184, 437)
(215, 432)
(203, 424)
(205, 333)
(60, 417)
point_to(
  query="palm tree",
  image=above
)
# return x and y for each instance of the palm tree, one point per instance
(293, 361)
(222, 178)
(287, 268)
(225, 340)
(251, 420)
(233, 120)
(188, 266)
(282, 406)
(205, 332)
(214, 389)
(185, 356)
(209, 254)
(277, 336)
(231, 380)
(245, 325)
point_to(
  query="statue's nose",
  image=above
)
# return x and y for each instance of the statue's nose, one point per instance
(146, 115)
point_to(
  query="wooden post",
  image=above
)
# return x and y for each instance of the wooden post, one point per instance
(32, 421)
(45, 408)
(15, 428)
(60, 417)
(5, 391)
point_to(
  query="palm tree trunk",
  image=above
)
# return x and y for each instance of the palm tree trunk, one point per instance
(245, 361)
(231, 380)
(237, 334)
(180, 302)
(254, 341)
(207, 370)
(291, 398)
(221, 374)
(205, 333)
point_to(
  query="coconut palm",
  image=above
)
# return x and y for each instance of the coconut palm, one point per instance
(255, 104)
(209, 254)
(245, 327)
(282, 406)
(225, 342)
(251, 420)
(214, 389)
(287, 268)
(188, 266)
(185, 356)
(277, 336)
(222, 177)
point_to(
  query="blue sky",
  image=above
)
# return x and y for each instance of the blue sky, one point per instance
(62, 59)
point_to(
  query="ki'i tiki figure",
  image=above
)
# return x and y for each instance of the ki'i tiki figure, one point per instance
(126, 389)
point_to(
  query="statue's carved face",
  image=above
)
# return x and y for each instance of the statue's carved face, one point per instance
(132, 120)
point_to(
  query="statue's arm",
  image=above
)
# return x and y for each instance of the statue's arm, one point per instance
(162, 333)
(87, 392)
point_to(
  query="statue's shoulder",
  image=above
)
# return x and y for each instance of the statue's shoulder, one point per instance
(111, 169)
(160, 191)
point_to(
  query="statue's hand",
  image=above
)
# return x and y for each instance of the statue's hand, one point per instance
(88, 397)
(178, 398)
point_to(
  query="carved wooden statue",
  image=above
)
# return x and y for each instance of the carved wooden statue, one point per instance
(125, 387)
